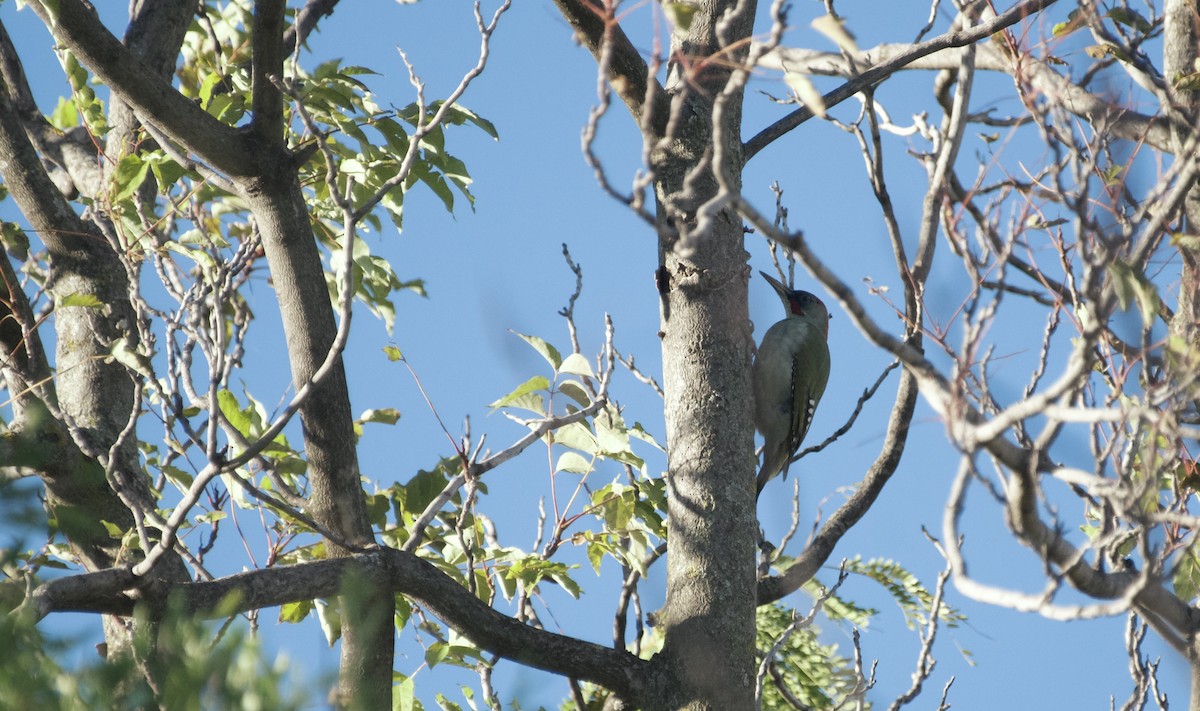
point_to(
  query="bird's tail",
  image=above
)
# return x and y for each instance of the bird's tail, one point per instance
(770, 467)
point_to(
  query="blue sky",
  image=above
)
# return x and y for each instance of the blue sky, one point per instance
(500, 268)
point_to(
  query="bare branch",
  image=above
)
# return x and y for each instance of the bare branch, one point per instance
(818, 551)
(116, 592)
(156, 102)
(596, 27)
(875, 75)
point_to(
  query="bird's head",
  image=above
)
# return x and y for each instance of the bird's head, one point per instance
(801, 304)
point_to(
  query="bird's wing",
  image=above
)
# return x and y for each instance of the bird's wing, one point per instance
(812, 355)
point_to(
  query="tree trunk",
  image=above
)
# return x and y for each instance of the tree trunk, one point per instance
(336, 500)
(1179, 53)
(708, 619)
(93, 393)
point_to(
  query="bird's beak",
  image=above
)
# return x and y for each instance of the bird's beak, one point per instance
(780, 289)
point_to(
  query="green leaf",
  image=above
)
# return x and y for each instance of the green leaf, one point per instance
(519, 397)
(65, 115)
(576, 364)
(1112, 175)
(436, 653)
(459, 114)
(567, 583)
(209, 517)
(412, 498)
(680, 14)
(639, 432)
(211, 81)
(386, 415)
(532, 569)
(240, 419)
(1132, 285)
(1186, 580)
(16, 242)
(437, 183)
(612, 438)
(547, 351)
(913, 598)
(87, 301)
(616, 502)
(578, 437)
(131, 172)
(167, 172)
(595, 553)
(204, 260)
(404, 695)
(1183, 240)
(331, 621)
(574, 463)
(1129, 18)
(575, 390)
(294, 612)
(394, 134)
(1075, 20)
(814, 674)
(134, 360)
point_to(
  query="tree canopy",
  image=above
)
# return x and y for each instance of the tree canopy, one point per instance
(231, 409)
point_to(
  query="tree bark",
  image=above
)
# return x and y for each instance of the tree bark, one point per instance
(709, 615)
(336, 500)
(266, 174)
(93, 395)
(1179, 53)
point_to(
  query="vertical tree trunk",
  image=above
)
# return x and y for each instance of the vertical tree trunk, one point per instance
(709, 614)
(94, 393)
(336, 500)
(1179, 53)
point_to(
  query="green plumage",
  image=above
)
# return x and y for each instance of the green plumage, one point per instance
(790, 373)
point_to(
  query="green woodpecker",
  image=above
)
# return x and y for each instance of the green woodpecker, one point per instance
(790, 373)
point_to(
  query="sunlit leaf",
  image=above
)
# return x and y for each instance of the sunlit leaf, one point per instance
(87, 301)
(835, 29)
(806, 92)
(578, 437)
(294, 612)
(680, 14)
(576, 364)
(133, 359)
(547, 351)
(519, 396)
(1075, 20)
(574, 463)
(386, 415)
(331, 621)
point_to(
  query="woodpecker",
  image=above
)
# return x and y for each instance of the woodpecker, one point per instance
(790, 373)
